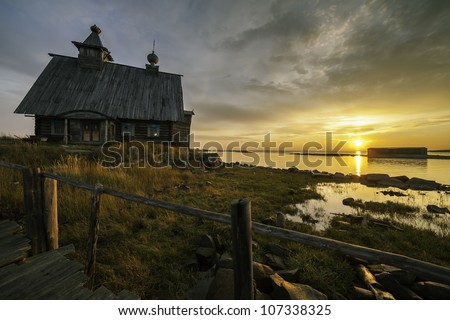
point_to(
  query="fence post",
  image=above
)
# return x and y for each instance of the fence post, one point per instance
(50, 188)
(33, 205)
(91, 254)
(242, 249)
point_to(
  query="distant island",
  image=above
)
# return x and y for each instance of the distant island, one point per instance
(403, 152)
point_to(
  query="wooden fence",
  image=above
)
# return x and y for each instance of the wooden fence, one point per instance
(41, 226)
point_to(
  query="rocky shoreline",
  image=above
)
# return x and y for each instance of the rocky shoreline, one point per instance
(272, 281)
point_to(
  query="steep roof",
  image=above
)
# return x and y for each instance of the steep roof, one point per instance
(116, 91)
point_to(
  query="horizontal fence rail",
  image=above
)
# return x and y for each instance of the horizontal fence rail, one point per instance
(421, 268)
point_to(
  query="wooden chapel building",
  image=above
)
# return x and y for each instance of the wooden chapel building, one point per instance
(91, 100)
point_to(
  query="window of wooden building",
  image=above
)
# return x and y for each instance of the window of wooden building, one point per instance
(58, 127)
(153, 130)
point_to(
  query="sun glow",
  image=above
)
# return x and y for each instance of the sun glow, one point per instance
(358, 143)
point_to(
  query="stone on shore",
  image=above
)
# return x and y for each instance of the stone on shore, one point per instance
(284, 290)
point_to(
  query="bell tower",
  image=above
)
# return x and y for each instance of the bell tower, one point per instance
(91, 53)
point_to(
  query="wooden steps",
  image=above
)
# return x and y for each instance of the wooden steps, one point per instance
(49, 275)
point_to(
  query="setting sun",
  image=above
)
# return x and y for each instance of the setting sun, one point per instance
(358, 143)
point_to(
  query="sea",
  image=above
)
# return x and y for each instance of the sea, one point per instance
(357, 164)
(319, 213)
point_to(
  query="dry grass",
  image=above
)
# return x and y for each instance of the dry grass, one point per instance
(144, 249)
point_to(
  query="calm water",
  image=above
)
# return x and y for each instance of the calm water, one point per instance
(324, 210)
(432, 169)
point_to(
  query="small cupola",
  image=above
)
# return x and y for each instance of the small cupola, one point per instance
(153, 59)
(91, 52)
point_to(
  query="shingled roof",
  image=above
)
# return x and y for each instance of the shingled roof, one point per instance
(116, 91)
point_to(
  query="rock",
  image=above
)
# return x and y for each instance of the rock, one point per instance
(293, 169)
(403, 179)
(191, 263)
(404, 277)
(399, 291)
(278, 250)
(393, 193)
(261, 276)
(348, 201)
(207, 241)
(269, 221)
(225, 262)
(362, 294)
(206, 256)
(435, 209)
(261, 270)
(432, 290)
(281, 219)
(200, 290)
(375, 177)
(391, 182)
(284, 290)
(258, 295)
(275, 261)
(222, 287)
(220, 246)
(422, 184)
(289, 275)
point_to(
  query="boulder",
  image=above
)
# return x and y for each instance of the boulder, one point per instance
(225, 261)
(281, 220)
(261, 276)
(207, 241)
(284, 290)
(422, 184)
(269, 221)
(362, 294)
(404, 277)
(403, 179)
(274, 261)
(435, 209)
(206, 256)
(289, 275)
(222, 287)
(348, 201)
(375, 177)
(278, 250)
(432, 290)
(220, 246)
(399, 291)
(391, 182)
(191, 263)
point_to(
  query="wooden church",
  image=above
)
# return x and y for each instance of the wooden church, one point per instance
(91, 100)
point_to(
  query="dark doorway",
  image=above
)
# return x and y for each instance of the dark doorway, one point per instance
(91, 131)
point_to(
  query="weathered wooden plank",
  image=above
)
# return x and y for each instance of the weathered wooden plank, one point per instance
(65, 250)
(102, 293)
(31, 265)
(19, 284)
(12, 165)
(31, 286)
(127, 295)
(47, 282)
(75, 280)
(12, 257)
(9, 243)
(9, 228)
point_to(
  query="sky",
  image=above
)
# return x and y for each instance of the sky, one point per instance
(374, 71)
